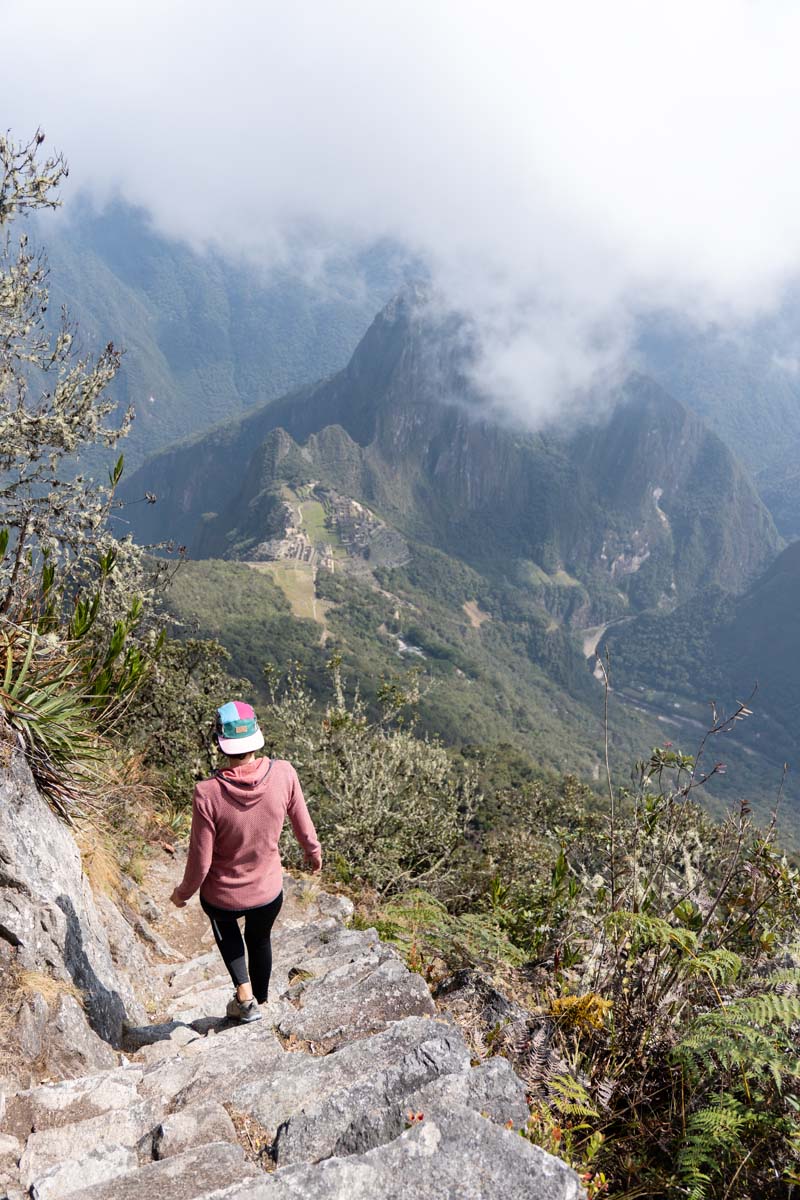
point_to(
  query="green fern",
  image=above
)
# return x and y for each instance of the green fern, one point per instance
(647, 932)
(721, 965)
(715, 1135)
(570, 1098)
(737, 1059)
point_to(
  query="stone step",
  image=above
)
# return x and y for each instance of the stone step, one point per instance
(448, 1155)
(98, 1166)
(353, 1097)
(204, 1173)
(355, 999)
(128, 1128)
(71, 1101)
(194, 1126)
(349, 1045)
(222, 1062)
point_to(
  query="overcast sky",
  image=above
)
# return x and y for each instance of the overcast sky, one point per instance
(562, 167)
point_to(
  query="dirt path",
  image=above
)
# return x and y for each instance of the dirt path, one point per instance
(186, 929)
(475, 613)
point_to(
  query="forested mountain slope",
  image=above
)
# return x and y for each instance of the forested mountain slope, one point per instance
(205, 336)
(645, 503)
(725, 648)
(746, 386)
(405, 524)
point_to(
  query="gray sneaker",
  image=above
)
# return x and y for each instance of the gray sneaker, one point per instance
(242, 1010)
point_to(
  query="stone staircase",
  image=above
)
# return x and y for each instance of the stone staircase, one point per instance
(350, 1088)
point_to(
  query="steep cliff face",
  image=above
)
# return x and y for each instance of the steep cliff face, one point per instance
(645, 497)
(68, 958)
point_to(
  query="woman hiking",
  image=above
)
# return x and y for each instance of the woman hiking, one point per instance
(237, 818)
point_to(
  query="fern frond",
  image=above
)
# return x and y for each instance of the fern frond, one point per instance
(649, 932)
(570, 1098)
(769, 1008)
(745, 1035)
(714, 1135)
(721, 966)
(785, 975)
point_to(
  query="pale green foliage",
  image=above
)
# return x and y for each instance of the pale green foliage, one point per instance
(390, 807)
(679, 924)
(170, 719)
(740, 1056)
(53, 398)
(427, 934)
(76, 634)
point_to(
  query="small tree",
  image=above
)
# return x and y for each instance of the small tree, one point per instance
(54, 400)
(74, 641)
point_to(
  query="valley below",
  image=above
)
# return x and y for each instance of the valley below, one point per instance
(401, 530)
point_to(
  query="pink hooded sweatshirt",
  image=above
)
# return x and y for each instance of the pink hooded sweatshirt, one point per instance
(237, 818)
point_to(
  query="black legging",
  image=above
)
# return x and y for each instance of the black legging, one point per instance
(258, 924)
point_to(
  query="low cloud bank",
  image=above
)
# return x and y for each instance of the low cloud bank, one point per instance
(561, 169)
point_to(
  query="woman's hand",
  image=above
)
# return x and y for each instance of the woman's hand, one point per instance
(176, 900)
(314, 865)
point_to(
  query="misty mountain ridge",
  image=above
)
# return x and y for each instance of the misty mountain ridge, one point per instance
(208, 336)
(205, 336)
(475, 531)
(645, 502)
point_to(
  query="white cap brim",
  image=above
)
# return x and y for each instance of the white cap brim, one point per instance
(242, 745)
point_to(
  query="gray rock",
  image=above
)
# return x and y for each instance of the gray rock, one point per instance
(469, 992)
(205, 1173)
(129, 958)
(292, 937)
(356, 999)
(61, 1144)
(185, 976)
(449, 1156)
(72, 1047)
(58, 1039)
(491, 1089)
(74, 1100)
(10, 1145)
(336, 949)
(46, 905)
(350, 1100)
(525, 1038)
(164, 1080)
(341, 907)
(10, 1151)
(204, 1002)
(98, 1166)
(30, 1030)
(148, 908)
(143, 930)
(231, 1059)
(174, 1033)
(195, 1126)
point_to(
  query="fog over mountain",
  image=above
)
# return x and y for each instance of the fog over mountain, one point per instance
(562, 171)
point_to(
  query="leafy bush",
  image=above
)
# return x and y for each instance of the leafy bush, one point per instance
(680, 932)
(170, 720)
(391, 808)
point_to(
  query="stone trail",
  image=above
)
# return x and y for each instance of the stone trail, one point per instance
(351, 1087)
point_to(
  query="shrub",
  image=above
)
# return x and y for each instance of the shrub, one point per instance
(391, 808)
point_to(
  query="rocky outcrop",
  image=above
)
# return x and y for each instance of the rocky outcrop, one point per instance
(353, 1085)
(400, 1112)
(63, 991)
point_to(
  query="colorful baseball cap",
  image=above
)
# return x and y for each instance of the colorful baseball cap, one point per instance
(237, 728)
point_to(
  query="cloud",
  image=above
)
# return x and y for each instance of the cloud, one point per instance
(562, 169)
